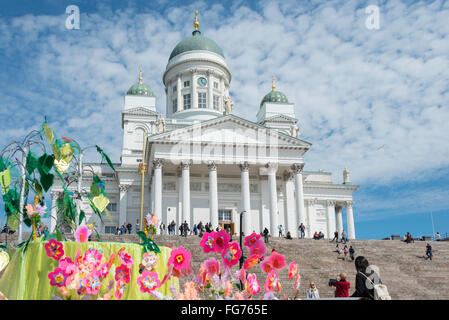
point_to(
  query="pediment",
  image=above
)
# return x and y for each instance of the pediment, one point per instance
(280, 118)
(227, 130)
(140, 111)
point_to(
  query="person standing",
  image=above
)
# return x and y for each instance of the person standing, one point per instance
(362, 278)
(429, 251)
(351, 253)
(312, 292)
(129, 226)
(195, 229)
(265, 235)
(344, 236)
(342, 286)
(280, 230)
(185, 228)
(137, 225)
(335, 236)
(345, 251)
(437, 237)
(301, 229)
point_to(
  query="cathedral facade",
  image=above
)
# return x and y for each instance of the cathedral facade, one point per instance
(200, 162)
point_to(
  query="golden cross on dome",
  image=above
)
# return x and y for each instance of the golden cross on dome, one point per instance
(140, 76)
(272, 84)
(196, 24)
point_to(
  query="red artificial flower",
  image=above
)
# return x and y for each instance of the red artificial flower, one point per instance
(122, 274)
(251, 262)
(231, 254)
(207, 242)
(180, 258)
(277, 260)
(252, 239)
(221, 240)
(54, 249)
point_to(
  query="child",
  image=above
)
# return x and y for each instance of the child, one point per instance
(342, 287)
(345, 251)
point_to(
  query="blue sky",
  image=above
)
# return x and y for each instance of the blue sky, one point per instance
(374, 101)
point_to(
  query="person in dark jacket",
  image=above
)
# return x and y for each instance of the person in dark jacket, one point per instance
(363, 287)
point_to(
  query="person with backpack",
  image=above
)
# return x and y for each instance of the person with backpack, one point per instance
(351, 253)
(368, 285)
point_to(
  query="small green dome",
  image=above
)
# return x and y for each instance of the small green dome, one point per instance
(140, 89)
(196, 42)
(274, 96)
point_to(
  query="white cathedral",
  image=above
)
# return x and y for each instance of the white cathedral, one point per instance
(203, 163)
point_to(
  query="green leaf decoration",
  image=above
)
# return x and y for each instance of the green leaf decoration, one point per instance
(101, 202)
(24, 245)
(68, 208)
(56, 151)
(46, 162)
(105, 157)
(147, 243)
(3, 164)
(94, 190)
(58, 235)
(32, 162)
(81, 217)
(93, 206)
(38, 189)
(46, 180)
(49, 133)
(5, 180)
(13, 222)
(11, 201)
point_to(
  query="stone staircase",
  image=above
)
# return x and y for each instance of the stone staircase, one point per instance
(402, 266)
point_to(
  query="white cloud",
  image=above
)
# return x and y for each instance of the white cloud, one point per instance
(372, 101)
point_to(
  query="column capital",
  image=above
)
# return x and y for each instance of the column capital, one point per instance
(185, 165)
(309, 202)
(349, 203)
(288, 176)
(212, 166)
(272, 167)
(157, 163)
(330, 203)
(244, 166)
(124, 187)
(298, 167)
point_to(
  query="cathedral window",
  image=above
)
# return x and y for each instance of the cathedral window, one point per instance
(186, 84)
(215, 85)
(216, 102)
(187, 104)
(175, 88)
(175, 105)
(224, 215)
(202, 100)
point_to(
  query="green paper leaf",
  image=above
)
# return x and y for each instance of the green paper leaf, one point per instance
(58, 235)
(13, 222)
(5, 180)
(56, 151)
(32, 162)
(46, 180)
(101, 202)
(46, 162)
(48, 133)
(105, 157)
(38, 189)
(81, 217)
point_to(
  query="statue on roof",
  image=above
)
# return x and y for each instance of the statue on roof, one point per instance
(294, 131)
(228, 105)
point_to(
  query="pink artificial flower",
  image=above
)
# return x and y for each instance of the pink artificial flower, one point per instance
(54, 249)
(92, 284)
(242, 275)
(251, 262)
(41, 210)
(266, 266)
(251, 240)
(252, 285)
(126, 258)
(277, 260)
(180, 258)
(208, 241)
(221, 240)
(272, 282)
(66, 264)
(258, 249)
(292, 270)
(231, 254)
(154, 219)
(82, 234)
(212, 266)
(30, 210)
(92, 257)
(57, 277)
(120, 289)
(122, 274)
(149, 260)
(149, 281)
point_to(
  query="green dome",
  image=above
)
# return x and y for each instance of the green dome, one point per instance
(196, 42)
(274, 96)
(140, 89)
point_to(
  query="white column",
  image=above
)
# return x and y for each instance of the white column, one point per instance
(179, 94)
(123, 203)
(54, 212)
(186, 193)
(157, 166)
(300, 216)
(330, 219)
(179, 213)
(289, 205)
(311, 226)
(194, 94)
(213, 194)
(246, 201)
(339, 215)
(209, 90)
(350, 219)
(272, 168)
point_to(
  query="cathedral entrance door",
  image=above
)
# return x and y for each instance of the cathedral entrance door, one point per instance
(225, 219)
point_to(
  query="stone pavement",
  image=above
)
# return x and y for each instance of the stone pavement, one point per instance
(402, 266)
